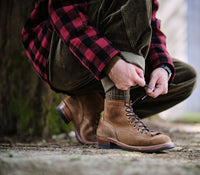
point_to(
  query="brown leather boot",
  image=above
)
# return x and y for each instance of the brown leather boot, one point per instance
(120, 127)
(84, 111)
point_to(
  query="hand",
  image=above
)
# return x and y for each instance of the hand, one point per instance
(125, 75)
(158, 84)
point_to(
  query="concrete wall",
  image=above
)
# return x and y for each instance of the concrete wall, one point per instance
(174, 24)
(193, 39)
(172, 14)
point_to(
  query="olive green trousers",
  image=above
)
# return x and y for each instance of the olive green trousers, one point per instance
(127, 23)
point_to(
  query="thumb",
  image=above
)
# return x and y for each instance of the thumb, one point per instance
(140, 80)
(140, 77)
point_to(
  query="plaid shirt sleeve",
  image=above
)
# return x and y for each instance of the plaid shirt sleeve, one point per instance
(36, 37)
(72, 25)
(158, 53)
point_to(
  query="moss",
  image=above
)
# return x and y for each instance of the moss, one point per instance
(1, 167)
(21, 103)
(10, 155)
(26, 103)
(190, 117)
(55, 124)
(73, 159)
(197, 166)
(124, 162)
(26, 109)
(31, 102)
(22, 109)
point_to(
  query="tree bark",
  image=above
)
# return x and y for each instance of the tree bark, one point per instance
(25, 101)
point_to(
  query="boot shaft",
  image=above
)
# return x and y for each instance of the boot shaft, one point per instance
(87, 106)
(115, 112)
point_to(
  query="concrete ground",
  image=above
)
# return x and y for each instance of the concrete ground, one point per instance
(66, 156)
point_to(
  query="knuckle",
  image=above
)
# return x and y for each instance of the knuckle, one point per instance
(154, 95)
(165, 91)
(130, 84)
(124, 88)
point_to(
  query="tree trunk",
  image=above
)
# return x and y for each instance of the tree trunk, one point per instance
(26, 103)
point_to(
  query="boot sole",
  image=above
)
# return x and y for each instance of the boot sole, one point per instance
(109, 143)
(65, 115)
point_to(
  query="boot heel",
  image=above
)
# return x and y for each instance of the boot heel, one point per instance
(102, 143)
(63, 112)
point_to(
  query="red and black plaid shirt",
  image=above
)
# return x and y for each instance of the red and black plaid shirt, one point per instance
(89, 45)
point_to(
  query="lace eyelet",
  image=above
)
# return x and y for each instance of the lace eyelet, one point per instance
(135, 121)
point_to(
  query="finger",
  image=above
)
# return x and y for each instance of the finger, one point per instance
(151, 84)
(140, 72)
(157, 91)
(139, 81)
(139, 77)
(165, 90)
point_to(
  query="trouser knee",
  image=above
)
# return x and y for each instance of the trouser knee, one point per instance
(181, 87)
(184, 81)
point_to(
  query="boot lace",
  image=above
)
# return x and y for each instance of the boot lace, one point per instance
(136, 121)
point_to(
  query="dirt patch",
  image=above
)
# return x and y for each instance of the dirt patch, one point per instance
(68, 157)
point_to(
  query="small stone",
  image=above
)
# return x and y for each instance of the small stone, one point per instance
(59, 137)
(72, 134)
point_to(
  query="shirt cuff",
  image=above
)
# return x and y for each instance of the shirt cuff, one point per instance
(111, 63)
(168, 69)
